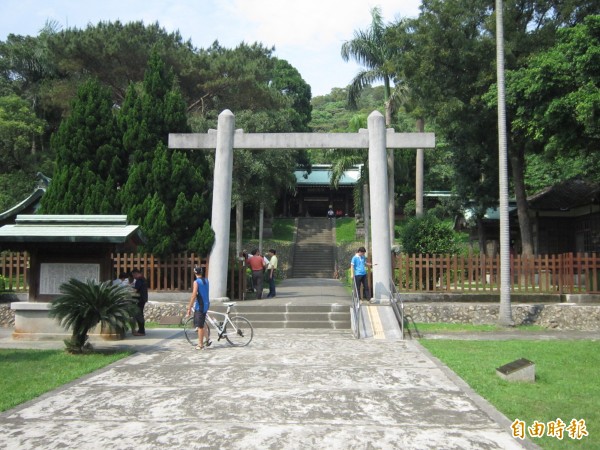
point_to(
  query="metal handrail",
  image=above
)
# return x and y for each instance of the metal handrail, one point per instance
(398, 310)
(356, 311)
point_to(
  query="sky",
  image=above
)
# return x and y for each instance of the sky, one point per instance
(306, 33)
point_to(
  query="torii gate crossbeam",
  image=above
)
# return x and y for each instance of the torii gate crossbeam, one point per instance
(226, 139)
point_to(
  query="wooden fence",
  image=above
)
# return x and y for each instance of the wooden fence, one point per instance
(566, 273)
(174, 273)
(14, 271)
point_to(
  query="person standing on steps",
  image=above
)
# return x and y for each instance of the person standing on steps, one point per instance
(358, 269)
(141, 288)
(199, 304)
(330, 213)
(271, 268)
(257, 265)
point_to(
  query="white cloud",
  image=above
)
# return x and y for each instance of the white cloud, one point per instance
(309, 23)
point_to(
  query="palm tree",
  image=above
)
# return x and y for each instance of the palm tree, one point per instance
(505, 314)
(369, 49)
(83, 305)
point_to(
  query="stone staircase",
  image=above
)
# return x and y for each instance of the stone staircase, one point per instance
(313, 251)
(333, 317)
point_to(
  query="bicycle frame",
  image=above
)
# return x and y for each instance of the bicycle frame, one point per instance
(220, 326)
(237, 330)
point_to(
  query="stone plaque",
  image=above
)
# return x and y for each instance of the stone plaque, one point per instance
(520, 370)
(52, 275)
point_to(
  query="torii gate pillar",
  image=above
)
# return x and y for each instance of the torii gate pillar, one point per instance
(377, 140)
(380, 225)
(221, 210)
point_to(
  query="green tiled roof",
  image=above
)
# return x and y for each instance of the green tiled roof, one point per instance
(321, 176)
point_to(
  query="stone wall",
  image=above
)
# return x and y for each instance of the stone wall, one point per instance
(153, 312)
(557, 316)
(7, 316)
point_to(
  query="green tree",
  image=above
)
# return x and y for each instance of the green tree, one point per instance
(90, 162)
(427, 235)
(266, 94)
(369, 48)
(203, 239)
(83, 305)
(165, 192)
(289, 83)
(48, 69)
(555, 103)
(19, 128)
(14, 188)
(447, 58)
(115, 53)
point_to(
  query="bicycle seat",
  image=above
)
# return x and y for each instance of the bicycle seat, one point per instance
(230, 303)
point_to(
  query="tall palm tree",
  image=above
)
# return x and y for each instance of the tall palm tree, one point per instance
(83, 305)
(369, 49)
(505, 315)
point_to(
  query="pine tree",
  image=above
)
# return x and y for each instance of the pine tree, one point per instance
(88, 157)
(161, 193)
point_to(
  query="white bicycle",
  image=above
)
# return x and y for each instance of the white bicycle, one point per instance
(237, 330)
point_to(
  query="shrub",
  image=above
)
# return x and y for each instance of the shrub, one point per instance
(410, 208)
(83, 305)
(428, 235)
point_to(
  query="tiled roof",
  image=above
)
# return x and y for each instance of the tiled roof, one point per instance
(564, 196)
(21, 207)
(71, 228)
(321, 176)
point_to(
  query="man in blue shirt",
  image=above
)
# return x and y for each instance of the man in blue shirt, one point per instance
(199, 304)
(358, 268)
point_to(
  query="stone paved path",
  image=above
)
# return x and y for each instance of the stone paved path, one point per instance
(290, 389)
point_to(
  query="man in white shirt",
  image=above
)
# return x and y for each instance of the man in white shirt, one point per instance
(271, 268)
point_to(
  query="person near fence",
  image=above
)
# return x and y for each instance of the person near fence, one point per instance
(123, 280)
(199, 304)
(141, 289)
(257, 264)
(271, 268)
(358, 269)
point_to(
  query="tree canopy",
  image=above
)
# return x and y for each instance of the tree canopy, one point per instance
(555, 99)
(112, 93)
(142, 82)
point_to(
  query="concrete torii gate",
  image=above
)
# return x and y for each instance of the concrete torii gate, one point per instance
(227, 138)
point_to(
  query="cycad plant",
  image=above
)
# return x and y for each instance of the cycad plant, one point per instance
(83, 305)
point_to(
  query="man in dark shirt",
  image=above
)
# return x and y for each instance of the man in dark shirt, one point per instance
(141, 288)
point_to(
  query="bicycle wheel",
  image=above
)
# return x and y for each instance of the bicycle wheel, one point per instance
(191, 332)
(239, 331)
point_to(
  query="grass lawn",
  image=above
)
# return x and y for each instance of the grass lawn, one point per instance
(158, 325)
(567, 383)
(345, 230)
(26, 374)
(283, 229)
(440, 327)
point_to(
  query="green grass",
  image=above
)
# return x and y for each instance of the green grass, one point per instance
(345, 230)
(26, 374)
(158, 325)
(566, 385)
(440, 327)
(283, 229)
